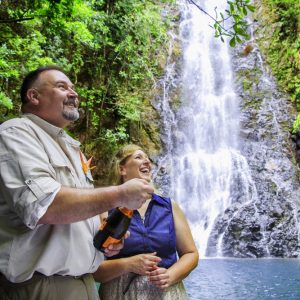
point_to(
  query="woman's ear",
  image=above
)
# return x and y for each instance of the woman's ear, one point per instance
(33, 96)
(122, 171)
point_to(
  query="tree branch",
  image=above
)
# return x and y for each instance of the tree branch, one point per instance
(16, 20)
(215, 20)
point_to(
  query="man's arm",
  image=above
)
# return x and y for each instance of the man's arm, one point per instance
(72, 205)
(27, 178)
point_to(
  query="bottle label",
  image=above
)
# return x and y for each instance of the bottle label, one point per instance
(126, 211)
(113, 228)
(110, 240)
(103, 225)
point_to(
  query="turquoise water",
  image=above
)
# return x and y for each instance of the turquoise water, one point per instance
(245, 279)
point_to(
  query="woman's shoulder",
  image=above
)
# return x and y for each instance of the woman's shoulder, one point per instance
(166, 201)
(161, 199)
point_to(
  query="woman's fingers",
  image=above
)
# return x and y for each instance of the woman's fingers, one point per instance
(160, 278)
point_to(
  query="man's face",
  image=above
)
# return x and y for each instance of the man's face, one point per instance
(57, 101)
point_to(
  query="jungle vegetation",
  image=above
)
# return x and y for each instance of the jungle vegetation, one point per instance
(115, 51)
(282, 52)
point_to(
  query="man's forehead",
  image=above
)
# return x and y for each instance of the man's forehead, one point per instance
(54, 76)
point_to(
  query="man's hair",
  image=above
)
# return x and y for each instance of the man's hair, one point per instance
(32, 77)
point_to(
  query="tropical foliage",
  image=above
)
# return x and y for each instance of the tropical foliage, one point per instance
(232, 22)
(112, 50)
(283, 51)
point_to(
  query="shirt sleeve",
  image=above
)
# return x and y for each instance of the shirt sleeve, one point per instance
(27, 179)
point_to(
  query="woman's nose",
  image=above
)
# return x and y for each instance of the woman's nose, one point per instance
(147, 160)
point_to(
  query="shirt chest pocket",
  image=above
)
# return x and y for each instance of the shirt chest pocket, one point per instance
(63, 172)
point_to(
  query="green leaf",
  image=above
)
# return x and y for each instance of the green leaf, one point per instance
(296, 125)
(251, 8)
(232, 42)
(5, 101)
(238, 39)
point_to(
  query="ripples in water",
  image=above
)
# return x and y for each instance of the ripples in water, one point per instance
(245, 279)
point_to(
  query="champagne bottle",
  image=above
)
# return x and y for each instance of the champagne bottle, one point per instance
(113, 228)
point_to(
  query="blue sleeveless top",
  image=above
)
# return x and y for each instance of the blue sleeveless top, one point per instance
(155, 234)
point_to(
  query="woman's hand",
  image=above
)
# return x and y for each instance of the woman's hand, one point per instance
(160, 278)
(114, 249)
(143, 264)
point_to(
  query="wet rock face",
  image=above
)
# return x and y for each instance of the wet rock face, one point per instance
(296, 140)
(268, 223)
(263, 215)
(264, 220)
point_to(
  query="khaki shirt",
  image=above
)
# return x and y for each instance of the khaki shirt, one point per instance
(36, 159)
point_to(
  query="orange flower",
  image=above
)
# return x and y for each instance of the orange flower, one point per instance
(86, 164)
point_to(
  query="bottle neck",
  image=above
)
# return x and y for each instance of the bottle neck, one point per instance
(126, 211)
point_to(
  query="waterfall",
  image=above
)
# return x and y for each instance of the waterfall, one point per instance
(207, 172)
(227, 159)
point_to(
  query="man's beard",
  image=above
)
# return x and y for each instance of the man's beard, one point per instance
(71, 115)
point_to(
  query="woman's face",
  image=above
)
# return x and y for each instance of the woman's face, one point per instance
(137, 165)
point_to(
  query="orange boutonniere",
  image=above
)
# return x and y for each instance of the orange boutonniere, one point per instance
(86, 165)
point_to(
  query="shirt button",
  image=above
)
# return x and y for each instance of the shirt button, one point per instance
(29, 181)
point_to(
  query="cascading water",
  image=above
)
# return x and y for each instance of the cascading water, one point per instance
(208, 174)
(206, 157)
(228, 157)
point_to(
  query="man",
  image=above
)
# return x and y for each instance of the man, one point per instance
(49, 212)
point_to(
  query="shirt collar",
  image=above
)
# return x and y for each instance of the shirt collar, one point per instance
(53, 131)
(157, 199)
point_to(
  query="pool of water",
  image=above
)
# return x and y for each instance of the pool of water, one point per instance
(245, 279)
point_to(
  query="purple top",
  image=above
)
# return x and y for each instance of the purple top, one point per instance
(155, 234)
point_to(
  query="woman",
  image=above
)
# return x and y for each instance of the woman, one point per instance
(147, 266)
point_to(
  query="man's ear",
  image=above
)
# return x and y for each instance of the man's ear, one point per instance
(33, 96)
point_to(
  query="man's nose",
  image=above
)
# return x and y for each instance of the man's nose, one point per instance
(72, 92)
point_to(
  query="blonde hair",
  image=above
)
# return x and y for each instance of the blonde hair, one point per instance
(119, 160)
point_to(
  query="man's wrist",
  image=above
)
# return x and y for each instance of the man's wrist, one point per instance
(120, 195)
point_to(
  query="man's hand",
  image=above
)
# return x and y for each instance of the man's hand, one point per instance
(135, 192)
